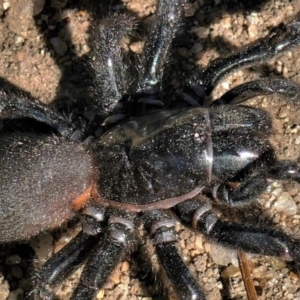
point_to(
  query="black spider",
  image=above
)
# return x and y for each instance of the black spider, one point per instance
(149, 169)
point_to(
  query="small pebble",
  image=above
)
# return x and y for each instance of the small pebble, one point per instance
(197, 48)
(60, 47)
(286, 204)
(223, 256)
(16, 294)
(13, 260)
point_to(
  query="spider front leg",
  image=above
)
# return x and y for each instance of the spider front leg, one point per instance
(157, 47)
(114, 77)
(280, 40)
(264, 87)
(248, 238)
(109, 61)
(16, 106)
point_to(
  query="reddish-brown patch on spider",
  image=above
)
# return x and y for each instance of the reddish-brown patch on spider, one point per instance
(82, 199)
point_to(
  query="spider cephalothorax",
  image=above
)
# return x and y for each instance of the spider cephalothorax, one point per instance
(152, 166)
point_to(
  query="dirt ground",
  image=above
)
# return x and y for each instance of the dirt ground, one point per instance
(44, 45)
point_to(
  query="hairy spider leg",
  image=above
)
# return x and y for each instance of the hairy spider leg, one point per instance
(160, 35)
(18, 105)
(264, 87)
(281, 39)
(259, 240)
(108, 235)
(161, 227)
(254, 180)
(118, 240)
(63, 263)
(115, 78)
(109, 62)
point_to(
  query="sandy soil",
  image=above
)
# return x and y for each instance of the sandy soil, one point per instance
(43, 48)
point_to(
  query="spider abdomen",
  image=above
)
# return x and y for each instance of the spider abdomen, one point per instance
(40, 177)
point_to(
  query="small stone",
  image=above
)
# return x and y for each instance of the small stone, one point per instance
(194, 253)
(277, 192)
(223, 256)
(6, 5)
(38, 6)
(58, 4)
(225, 85)
(198, 242)
(184, 52)
(201, 32)
(17, 272)
(259, 272)
(292, 189)
(19, 40)
(21, 56)
(285, 203)
(125, 266)
(284, 271)
(116, 277)
(219, 285)
(231, 271)
(277, 263)
(4, 288)
(13, 260)
(282, 113)
(293, 276)
(90, 115)
(190, 9)
(285, 72)
(297, 140)
(227, 23)
(43, 246)
(100, 294)
(16, 294)
(197, 48)
(137, 47)
(60, 47)
(279, 69)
